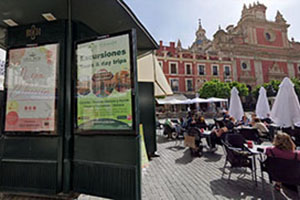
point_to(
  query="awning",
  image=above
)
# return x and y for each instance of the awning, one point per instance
(174, 99)
(199, 100)
(103, 16)
(150, 71)
(215, 99)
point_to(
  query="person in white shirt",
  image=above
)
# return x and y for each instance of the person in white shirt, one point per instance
(261, 127)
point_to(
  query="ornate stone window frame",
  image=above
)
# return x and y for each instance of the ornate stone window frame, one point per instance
(191, 68)
(170, 64)
(198, 69)
(271, 33)
(212, 70)
(186, 84)
(175, 79)
(227, 66)
(247, 62)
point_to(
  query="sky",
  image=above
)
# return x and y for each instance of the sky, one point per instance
(170, 20)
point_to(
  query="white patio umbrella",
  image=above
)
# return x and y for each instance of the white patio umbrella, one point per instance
(236, 109)
(286, 109)
(262, 106)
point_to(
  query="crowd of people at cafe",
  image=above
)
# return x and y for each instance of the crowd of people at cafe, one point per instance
(283, 145)
(229, 125)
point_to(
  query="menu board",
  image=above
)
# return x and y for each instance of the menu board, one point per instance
(31, 84)
(104, 99)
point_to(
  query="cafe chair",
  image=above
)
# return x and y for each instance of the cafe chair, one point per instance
(235, 140)
(250, 134)
(219, 123)
(281, 170)
(237, 158)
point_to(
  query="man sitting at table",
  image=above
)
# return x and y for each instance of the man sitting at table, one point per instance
(284, 148)
(245, 121)
(261, 127)
(215, 137)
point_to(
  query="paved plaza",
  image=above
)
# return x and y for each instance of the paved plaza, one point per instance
(177, 175)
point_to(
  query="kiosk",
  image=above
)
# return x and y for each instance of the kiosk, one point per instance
(71, 116)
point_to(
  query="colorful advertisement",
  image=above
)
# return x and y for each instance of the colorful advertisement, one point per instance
(31, 84)
(104, 84)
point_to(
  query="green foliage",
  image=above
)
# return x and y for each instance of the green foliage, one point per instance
(296, 86)
(216, 88)
(268, 86)
(241, 87)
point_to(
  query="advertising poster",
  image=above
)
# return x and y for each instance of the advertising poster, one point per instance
(104, 84)
(31, 84)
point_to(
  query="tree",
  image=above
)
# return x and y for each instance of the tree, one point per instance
(214, 88)
(296, 86)
(271, 87)
(241, 87)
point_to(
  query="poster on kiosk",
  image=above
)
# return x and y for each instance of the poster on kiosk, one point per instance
(31, 86)
(104, 84)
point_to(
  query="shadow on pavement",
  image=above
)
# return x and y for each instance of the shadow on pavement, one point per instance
(246, 189)
(186, 158)
(175, 148)
(162, 139)
(211, 157)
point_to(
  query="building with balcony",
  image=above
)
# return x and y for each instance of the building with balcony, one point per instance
(254, 51)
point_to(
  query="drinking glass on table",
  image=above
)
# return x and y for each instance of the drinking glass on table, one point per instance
(250, 144)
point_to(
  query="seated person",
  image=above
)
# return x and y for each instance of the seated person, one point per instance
(268, 120)
(183, 122)
(226, 115)
(284, 148)
(253, 117)
(169, 123)
(261, 127)
(180, 127)
(230, 123)
(215, 137)
(245, 121)
(200, 123)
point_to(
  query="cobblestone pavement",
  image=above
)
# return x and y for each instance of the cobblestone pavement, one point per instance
(177, 175)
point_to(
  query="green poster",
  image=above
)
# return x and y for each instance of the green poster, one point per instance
(104, 84)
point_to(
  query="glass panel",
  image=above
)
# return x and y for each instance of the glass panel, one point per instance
(227, 71)
(188, 69)
(173, 68)
(104, 97)
(174, 85)
(215, 70)
(31, 89)
(189, 85)
(201, 69)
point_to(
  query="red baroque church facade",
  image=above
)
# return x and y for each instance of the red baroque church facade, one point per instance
(254, 51)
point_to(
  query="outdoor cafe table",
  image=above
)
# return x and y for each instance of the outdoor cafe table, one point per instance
(255, 151)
